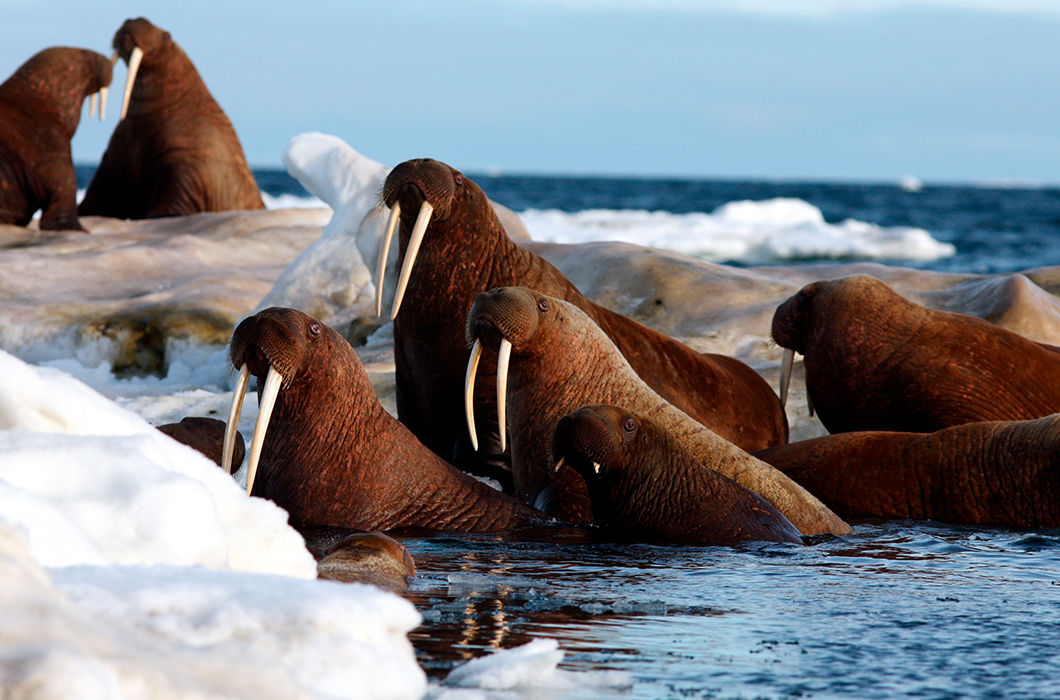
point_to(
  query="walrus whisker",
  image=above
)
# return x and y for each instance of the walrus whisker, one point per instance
(92, 104)
(384, 253)
(273, 380)
(504, 355)
(135, 58)
(469, 391)
(232, 427)
(786, 364)
(103, 91)
(418, 229)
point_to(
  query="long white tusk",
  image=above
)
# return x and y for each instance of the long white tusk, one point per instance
(469, 391)
(268, 399)
(232, 427)
(103, 102)
(422, 219)
(92, 104)
(559, 465)
(786, 364)
(384, 253)
(135, 57)
(504, 354)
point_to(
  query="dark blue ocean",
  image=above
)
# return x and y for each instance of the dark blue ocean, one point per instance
(995, 229)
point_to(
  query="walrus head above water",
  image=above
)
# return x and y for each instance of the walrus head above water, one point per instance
(133, 40)
(429, 189)
(643, 484)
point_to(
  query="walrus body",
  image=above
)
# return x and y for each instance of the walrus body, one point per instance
(619, 455)
(175, 153)
(561, 361)
(333, 457)
(205, 435)
(464, 252)
(990, 473)
(876, 361)
(40, 108)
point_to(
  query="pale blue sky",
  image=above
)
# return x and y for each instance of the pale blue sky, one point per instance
(956, 90)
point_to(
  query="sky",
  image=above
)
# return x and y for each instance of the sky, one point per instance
(953, 90)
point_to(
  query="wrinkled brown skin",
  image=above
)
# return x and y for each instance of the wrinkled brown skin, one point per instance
(648, 487)
(562, 361)
(207, 435)
(465, 252)
(876, 361)
(368, 557)
(333, 457)
(40, 108)
(175, 153)
(992, 473)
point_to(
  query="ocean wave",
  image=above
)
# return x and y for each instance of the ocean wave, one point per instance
(767, 231)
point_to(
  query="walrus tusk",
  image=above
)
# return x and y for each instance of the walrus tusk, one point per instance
(232, 427)
(786, 364)
(92, 104)
(103, 102)
(268, 399)
(504, 354)
(415, 240)
(384, 253)
(469, 391)
(559, 465)
(596, 467)
(135, 57)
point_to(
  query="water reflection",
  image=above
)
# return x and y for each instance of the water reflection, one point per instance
(895, 608)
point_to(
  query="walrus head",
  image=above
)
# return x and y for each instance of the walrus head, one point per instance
(506, 318)
(593, 440)
(431, 189)
(277, 346)
(788, 331)
(67, 76)
(133, 40)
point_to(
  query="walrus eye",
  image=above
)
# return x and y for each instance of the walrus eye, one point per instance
(458, 178)
(542, 305)
(628, 424)
(314, 329)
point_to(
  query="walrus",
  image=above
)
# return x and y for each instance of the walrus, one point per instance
(876, 361)
(454, 247)
(644, 485)
(174, 152)
(553, 360)
(207, 436)
(327, 452)
(368, 557)
(988, 473)
(40, 109)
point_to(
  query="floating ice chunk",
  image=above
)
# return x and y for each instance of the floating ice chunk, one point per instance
(531, 666)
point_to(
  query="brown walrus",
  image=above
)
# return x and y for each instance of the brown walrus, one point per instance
(174, 152)
(205, 435)
(990, 473)
(876, 361)
(368, 557)
(620, 455)
(40, 108)
(561, 361)
(459, 249)
(332, 456)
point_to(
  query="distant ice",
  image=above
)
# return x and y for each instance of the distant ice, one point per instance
(750, 232)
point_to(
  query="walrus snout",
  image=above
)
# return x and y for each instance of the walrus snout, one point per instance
(502, 313)
(588, 439)
(421, 180)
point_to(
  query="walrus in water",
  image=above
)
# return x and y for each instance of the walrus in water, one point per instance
(207, 436)
(368, 557)
(327, 452)
(174, 152)
(876, 361)
(454, 247)
(989, 473)
(40, 108)
(553, 360)
(620, 455)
